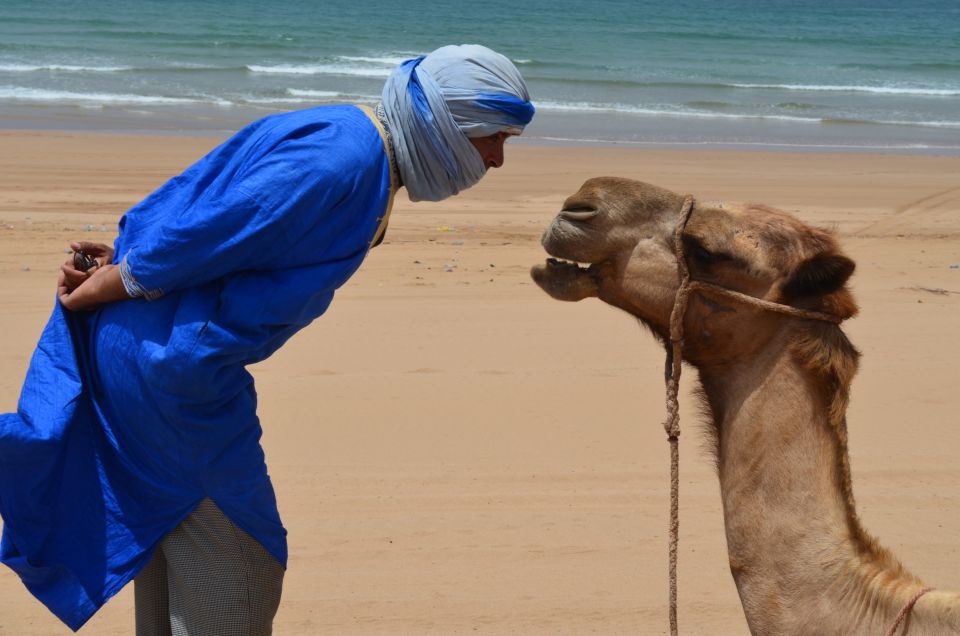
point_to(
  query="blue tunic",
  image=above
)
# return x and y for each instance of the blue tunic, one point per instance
(130, 415)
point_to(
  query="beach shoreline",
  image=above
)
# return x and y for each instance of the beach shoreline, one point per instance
(550, 128)
(454, 451)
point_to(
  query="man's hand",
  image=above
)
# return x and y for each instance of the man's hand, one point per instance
(86, 290)
(71, 277)
(103, 286)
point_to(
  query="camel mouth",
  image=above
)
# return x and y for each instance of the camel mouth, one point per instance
(566, 280)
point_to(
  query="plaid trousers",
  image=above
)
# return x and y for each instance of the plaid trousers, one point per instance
(208, 578)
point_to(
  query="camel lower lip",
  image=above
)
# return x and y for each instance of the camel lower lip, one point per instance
(565, 280)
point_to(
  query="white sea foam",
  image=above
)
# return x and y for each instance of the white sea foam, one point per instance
(749, 144)
(664, 112)
(877, 90)
(313, 94)
(297, 96)
(31, 68)
(930, 124)
(387, 60)
(20, 93)
(671, 112)
(320, 69)
(273, 100)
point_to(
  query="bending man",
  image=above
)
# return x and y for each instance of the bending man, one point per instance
(135, 449)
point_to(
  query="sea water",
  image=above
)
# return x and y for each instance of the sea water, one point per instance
(877, 75)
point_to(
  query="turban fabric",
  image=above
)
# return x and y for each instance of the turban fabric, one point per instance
(434, 104)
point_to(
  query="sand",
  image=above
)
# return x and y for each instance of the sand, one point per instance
(456, 452)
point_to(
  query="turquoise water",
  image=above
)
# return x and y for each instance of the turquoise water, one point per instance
(847, 74)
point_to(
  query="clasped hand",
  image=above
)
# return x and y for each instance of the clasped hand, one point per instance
(86, 290)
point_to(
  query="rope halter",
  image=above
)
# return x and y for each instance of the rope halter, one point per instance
(672, 372)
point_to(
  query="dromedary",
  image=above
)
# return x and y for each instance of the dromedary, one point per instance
(776, 387)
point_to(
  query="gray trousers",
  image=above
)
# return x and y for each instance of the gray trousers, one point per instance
(208, 578)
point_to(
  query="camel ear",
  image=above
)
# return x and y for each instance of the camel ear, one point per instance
(818, 276)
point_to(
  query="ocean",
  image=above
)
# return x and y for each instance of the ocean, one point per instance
(858, 75)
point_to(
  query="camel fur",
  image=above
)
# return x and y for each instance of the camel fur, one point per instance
(775, 387)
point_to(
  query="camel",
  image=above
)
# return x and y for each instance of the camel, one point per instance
(775, 389)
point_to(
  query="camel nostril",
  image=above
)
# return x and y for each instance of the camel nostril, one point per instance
(579, 213)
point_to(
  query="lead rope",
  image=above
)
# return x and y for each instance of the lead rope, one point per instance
(672, 423)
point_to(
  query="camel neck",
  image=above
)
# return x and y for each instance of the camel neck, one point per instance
(800, 559)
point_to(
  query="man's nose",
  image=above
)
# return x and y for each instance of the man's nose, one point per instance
(495, 156)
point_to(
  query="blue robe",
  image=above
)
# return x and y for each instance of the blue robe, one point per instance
(132, 414)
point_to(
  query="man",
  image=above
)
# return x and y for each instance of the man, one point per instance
(135, 450)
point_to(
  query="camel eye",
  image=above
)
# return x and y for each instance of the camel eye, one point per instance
(696, 250)
(701, 254)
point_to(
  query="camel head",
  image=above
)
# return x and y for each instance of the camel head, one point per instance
(614, 239)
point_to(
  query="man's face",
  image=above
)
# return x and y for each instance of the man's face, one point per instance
(491, 148)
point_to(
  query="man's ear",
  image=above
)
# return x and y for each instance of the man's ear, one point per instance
(818, 276)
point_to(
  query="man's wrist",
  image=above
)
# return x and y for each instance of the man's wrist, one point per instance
(112, 287)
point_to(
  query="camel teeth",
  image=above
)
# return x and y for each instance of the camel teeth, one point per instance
(556, 262)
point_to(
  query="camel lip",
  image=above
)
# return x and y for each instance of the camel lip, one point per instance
(565, 280)
(577, 214)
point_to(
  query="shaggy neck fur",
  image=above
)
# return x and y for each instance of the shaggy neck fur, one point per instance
(801, 560)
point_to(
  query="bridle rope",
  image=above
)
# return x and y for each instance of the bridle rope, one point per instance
(672, 376)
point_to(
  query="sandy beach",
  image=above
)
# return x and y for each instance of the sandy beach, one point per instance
(455, 452)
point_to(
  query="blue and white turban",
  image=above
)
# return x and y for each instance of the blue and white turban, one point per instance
(435, 103)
